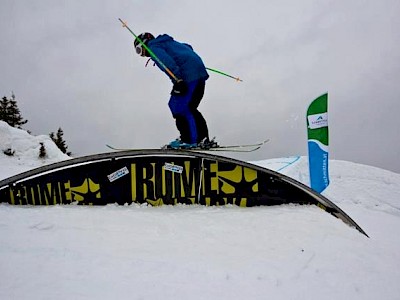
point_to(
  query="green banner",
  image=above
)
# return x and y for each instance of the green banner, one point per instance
(318, 142)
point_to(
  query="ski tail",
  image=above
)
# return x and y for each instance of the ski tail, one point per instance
(259, 144)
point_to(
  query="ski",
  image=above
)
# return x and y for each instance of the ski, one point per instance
(259, 144)
(227, 148)
(236, 148)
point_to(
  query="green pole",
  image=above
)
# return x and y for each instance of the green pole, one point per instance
(222, 73)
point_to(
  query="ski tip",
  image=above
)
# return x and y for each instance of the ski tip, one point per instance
(111, 147)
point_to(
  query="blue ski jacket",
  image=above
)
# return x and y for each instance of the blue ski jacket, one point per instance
(179, 58)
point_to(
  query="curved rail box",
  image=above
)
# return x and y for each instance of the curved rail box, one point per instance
(160, 177)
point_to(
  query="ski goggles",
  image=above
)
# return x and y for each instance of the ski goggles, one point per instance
(140, 49)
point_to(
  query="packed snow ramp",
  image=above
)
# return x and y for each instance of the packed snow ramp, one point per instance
(160, 177)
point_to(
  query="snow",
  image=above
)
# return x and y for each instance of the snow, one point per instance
(197, 252)
(26, 150)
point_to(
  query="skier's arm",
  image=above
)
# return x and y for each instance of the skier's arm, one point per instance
(168, 61)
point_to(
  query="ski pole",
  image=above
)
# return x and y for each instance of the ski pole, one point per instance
(222, 73)
(150, 52)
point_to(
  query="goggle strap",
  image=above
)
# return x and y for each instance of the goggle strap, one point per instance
(148, 62)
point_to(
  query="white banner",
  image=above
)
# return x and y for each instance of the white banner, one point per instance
(318, 120)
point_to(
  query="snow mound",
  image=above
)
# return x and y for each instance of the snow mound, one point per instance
(25, 149)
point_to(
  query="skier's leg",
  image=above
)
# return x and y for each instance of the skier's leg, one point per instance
(202, 129)
(185, 121)
(183, 128)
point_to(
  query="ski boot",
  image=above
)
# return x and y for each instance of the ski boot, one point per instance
(206, 143)
(178, 144)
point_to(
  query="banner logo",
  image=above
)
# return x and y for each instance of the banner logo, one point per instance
(318, 121)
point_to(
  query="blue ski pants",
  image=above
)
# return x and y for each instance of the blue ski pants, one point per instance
(190, 122)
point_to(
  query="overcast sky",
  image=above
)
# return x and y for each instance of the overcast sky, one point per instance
(71, 64)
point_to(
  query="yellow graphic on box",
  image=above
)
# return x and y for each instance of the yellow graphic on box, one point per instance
(152, 183)
(200, 181)
(55, 193)
(89, 190)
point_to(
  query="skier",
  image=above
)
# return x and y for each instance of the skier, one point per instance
(188, 87)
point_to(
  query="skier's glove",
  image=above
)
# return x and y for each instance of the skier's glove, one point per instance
(180, 88)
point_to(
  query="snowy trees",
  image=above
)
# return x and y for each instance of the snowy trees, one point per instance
(59, 141)
(10, 113)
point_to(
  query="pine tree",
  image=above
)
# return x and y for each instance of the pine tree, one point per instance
(4, 103)
(59, 141)
(10, 113)
(42, 151)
